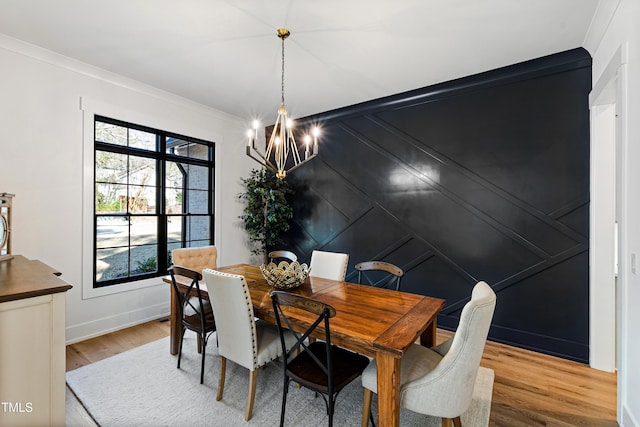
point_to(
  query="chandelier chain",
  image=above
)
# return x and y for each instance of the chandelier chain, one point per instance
(282, 71)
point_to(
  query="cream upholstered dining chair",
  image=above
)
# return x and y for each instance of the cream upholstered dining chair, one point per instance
(328, 265)
(242, 339)
(439, 381)
(196, 258)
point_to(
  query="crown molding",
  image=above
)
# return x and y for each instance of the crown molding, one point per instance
(599, 24)
(48, 56)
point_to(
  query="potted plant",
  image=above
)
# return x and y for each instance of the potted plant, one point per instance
(267, 213)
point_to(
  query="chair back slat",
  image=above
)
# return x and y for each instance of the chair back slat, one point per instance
(379, 274)
(282, 255)
(185, 298)
(323, 312)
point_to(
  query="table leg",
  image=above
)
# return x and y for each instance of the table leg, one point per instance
(388, 368)
(174, 325)
(428, 337)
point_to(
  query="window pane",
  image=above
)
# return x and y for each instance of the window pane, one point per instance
(174, 229)
(112, 134)
(142, 196)
(194, 176)
(142, 170)
(111, 198)
(111, 167)
(198, 177)
(142, 199)
(171, 247)
(175, 175)
(173, 201)
(112, 264)
(112, 232)
(142, 140)
(198, 228)
(144, 230)
(191, 149)
(197, 202)
(173, 188)
(197, 243)
(144, 259)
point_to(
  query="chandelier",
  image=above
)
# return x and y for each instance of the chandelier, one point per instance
(282, 144)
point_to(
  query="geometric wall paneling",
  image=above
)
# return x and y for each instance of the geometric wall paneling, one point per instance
(481, 178)
(545, 302)
(576, 218)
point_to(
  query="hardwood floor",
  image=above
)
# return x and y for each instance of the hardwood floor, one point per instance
(530, 389)
(89, 351)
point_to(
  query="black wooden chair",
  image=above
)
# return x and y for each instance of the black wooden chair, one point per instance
(282, 255)
(318, 366)
(195, 312)
(380, 274)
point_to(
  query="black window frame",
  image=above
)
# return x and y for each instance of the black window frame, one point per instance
(161, 157)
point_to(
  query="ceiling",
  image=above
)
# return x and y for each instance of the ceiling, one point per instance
(225, 53)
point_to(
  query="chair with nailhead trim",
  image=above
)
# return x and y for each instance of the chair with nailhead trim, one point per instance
(241, 338)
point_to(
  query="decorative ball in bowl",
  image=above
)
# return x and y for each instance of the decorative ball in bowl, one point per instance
(285, 275)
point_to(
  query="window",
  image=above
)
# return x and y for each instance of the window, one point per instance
(153, 193)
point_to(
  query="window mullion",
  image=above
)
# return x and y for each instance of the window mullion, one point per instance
(161, 197)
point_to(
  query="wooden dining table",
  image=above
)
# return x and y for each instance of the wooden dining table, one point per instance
(379, 323)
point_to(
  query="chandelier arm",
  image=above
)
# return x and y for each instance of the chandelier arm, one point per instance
(293, 148)
(265, 163)
(301, 163)
(267, 153)
(284, 145)
(264, 158)
(273, 146)
(254, 148)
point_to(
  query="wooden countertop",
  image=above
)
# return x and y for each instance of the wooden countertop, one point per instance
(24, 278)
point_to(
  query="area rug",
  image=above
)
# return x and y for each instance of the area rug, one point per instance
(143, 387)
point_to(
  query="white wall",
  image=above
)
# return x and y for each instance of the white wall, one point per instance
(621, 33)
(41, 162)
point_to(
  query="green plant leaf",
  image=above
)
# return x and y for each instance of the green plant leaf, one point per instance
(268, 213)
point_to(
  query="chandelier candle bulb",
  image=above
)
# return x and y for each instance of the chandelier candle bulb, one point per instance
(316, 133)
(307, 140)
(256, 125)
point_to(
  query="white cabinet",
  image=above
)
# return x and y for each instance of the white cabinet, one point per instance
(32, 344)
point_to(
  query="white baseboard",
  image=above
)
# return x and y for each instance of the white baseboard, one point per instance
(627, 419)
(97, 327)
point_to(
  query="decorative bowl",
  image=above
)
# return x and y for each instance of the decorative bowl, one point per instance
(285, 275)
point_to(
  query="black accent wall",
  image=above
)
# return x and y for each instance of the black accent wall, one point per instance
(480, 178)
